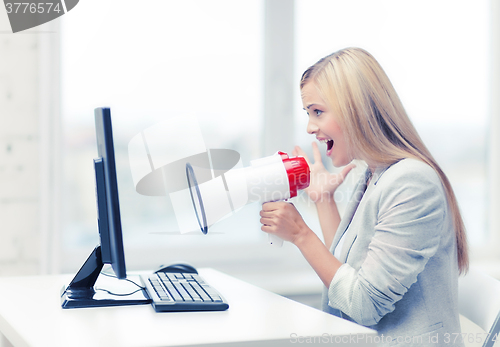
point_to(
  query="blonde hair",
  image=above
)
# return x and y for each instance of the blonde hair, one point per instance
(375, 122)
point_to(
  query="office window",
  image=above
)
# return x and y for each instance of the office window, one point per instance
(436, 55)
(149, 61)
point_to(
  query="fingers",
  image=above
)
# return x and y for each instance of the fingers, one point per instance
(266, 222)
(297, 151)
(267, 228)
(316, 152)
(271, 206)
(266, 214)
(276, 205)
(347, 169)
(341, 177)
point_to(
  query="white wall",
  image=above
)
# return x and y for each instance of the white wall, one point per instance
(19, 151)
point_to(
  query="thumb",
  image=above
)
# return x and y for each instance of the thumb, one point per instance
(345, 171)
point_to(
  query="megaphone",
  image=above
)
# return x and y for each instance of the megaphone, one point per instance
(273, 178)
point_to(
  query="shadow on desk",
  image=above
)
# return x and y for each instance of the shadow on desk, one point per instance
(313, 300)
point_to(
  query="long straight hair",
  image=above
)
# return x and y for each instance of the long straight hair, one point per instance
(375, 122)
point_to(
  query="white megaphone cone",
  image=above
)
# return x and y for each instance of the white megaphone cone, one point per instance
(272, 178)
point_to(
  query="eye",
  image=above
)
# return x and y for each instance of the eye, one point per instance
(318, 112)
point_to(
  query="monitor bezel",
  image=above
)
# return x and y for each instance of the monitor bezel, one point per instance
(111, 236)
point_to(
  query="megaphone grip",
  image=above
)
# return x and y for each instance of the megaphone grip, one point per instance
(275, 240)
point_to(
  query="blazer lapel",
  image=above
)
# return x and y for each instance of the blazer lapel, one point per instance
(349, 212)
(349, 241)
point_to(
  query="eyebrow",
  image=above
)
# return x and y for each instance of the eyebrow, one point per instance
(309, 106)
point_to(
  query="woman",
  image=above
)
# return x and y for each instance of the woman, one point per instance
(392, 262)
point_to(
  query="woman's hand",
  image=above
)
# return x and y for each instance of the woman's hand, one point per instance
(323, 183)
(282, 219)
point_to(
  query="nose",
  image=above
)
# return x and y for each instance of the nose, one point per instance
(311, 127)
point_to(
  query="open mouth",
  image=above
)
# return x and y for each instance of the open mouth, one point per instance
(329, 145)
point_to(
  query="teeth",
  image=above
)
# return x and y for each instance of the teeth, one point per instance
(328, 142)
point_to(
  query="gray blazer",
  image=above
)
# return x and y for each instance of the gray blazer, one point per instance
(399, 274)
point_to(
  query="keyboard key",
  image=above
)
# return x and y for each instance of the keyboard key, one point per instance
(210, 291)
(171, 277)
(198, 279)
(191, 291)
(164, 297)
(162, 276)
(201, 292)
(185, 295)
(174, 293)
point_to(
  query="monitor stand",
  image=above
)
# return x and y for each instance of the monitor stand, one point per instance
(81, 292)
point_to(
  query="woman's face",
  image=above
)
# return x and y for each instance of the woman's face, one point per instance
(322, 123)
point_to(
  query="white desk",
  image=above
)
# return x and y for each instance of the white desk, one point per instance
(31, 315)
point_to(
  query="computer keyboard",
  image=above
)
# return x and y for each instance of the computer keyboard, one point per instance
(171, 291)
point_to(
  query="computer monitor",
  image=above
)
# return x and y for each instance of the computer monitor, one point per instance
(81, 292)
